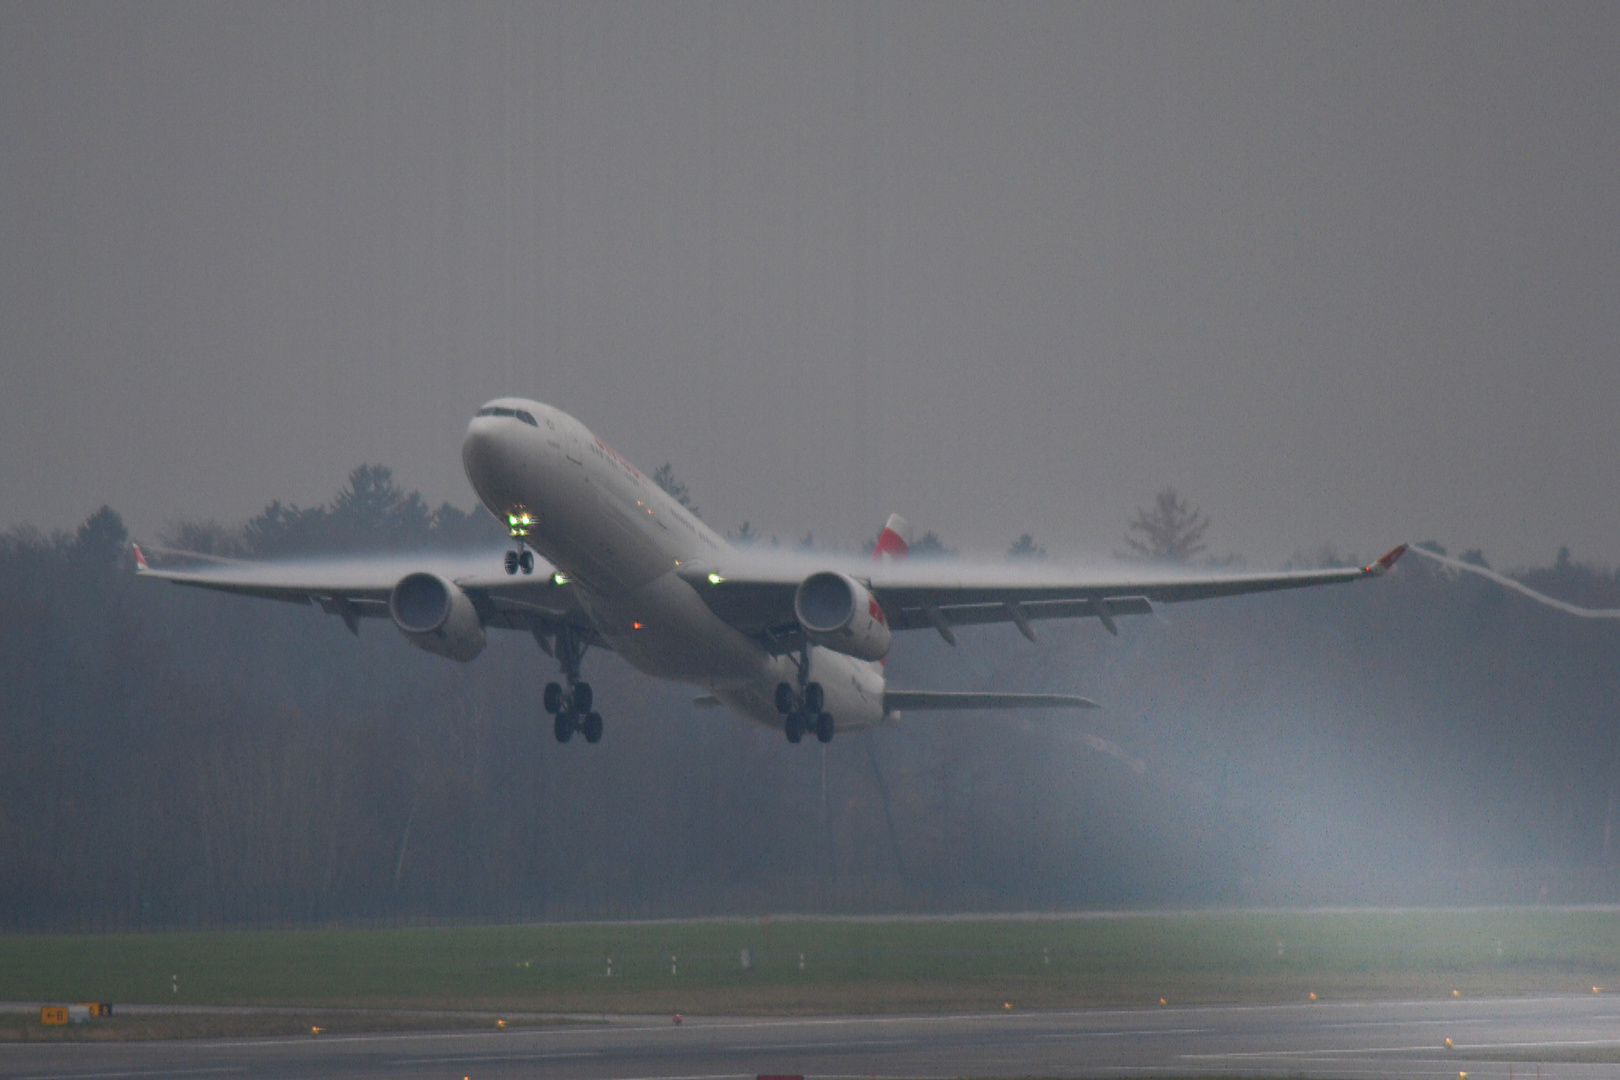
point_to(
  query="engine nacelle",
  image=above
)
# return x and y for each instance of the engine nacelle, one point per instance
(434, 614)
(837, 611)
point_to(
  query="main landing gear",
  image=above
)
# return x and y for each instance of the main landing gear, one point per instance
(570, 708)
(803, 708)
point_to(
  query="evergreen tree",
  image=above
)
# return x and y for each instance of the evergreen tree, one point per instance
(1025, 547)
(1172, 531)
(665, 478)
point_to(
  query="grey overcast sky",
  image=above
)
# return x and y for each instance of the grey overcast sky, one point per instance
(1344, 274)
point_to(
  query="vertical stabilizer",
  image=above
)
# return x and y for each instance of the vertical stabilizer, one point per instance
(894, 541)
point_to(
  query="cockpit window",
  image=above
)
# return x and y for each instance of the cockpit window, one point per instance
(501, 410)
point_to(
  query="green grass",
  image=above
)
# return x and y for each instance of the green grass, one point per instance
(878, 966)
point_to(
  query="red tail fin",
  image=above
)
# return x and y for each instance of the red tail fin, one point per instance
(895, 539)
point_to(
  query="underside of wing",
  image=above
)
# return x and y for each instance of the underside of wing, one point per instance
(359, 588)
(756, 595)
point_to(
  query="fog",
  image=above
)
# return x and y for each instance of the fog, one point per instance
(175, 757)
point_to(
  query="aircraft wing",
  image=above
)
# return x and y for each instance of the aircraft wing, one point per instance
(358, 588)
(756, 596)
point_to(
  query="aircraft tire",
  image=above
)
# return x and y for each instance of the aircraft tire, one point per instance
(792, 728)
(563, 727)
(553, 699)
(815, 699)
(592, 727)
(511, 562)
(824, 727)
(526, 562)
(582, 697)
(784, 698)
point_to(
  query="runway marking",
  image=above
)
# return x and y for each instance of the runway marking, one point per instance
(554, 1056)
(1348, 1024)
(1538, 1043)
(1459, 1048)
(563, 1055)
(704, 1024)
(704, 1076)
(1380, 1069)
(136, 1072)
(813, 1046)
(1136, 1032)
(617, 1026)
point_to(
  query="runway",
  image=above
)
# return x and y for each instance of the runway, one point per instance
(1362, 1040)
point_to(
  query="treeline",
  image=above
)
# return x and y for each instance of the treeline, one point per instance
(172, 757)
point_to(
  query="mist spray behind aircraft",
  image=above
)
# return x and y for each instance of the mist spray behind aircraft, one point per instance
(1507, 582)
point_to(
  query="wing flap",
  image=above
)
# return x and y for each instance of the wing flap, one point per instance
(916, 618)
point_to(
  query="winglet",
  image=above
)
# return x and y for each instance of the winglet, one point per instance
(1382, 565)
(895, 539)
(140, 560)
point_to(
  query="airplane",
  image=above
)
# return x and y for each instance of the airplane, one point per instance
(603, 558)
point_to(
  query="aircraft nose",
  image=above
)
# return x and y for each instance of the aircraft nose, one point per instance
(483, 453)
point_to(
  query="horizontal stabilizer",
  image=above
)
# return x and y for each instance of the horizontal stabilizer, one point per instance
(898, 700)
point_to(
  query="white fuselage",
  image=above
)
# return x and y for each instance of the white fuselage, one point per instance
(619, 539)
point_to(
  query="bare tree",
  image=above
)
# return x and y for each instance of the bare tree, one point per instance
(1172, 531)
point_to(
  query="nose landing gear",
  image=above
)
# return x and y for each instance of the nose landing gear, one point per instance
(519, 560)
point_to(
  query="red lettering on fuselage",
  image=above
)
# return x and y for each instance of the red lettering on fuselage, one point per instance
(614, 454)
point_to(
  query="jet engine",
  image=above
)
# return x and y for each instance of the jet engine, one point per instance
(837, 611)
(434, 614)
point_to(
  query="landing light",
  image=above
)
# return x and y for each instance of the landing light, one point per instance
(715, 579)
(559, 578)
(518, 523)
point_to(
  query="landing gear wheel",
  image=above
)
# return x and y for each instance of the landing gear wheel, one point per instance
(815, 699)
(824, 727)
(784, 698)
(793, 728)
(511, 562)
(553, 699)
(582, 697)
(592, 727)
(564, 727)
(526, 562)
